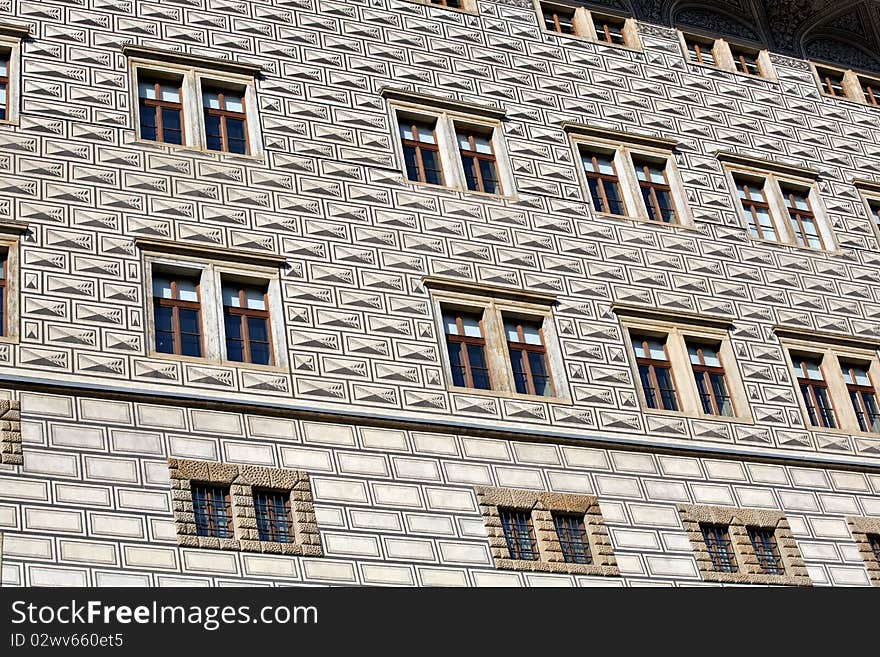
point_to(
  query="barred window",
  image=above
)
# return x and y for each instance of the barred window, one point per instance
(610, 29)
(655, 372)
(814, 391)
(4, 277)
(710, 378)
(272, 509)
(528, 357)
(871, 90)
(213, 515)
(756, 208)
(573, 539)
(863, 395)
(455, 4)
(832, 82)
(603, 182)
(700, 50)
(874, 543)
(466, 345)
(519, 534)
(558, 19)
(717, 539)
(767, 550)
(746, 61)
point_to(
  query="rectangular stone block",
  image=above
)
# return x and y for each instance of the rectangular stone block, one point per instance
(110, 469)
(304, 458)
(387, 575)
(53, 520)
(411, 549)
(350, 545)
(136, 556)
(397, 495)
(338, 490)
(56, 576)
(88, 552)
(375, 520)
(208, 561)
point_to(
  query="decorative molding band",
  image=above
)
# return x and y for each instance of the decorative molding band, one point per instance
(441, 103)
(736, 159)
(487, 290)
(237, 256)
(870, 186)
(14, 31)
(809, 335)
(672, 316)
(618, 136)
(162, 56)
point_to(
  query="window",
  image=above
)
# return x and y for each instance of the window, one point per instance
(684, 365)
(874, 209)
(246, 323)
(160, 105)
(546, 532)
(767, 550)
(630, 175)
(225, 120)
(717, 538)
(863, 395)
(572, 538)
(572, 18)
(4, 295)
(866, 535)
(506, 346)
(421, 154)
(836, 384)
(603, 182)
(466, 346)
(558, 19)
(244, 508)
(756, 208)
(170, 85)
(272, 509)
(10, 72)
(728, 56)
(455, 4)
(528, 357)
(456, 145)
(5, 85)
(655, 372)
(743, 546)
(710, 379)
(177, 315)
(519, 534)
(847, 84)
(778, 203)
(211, 510)
(219, 306)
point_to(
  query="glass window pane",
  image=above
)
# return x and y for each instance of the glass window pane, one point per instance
(532, 333)
(186, 290)
(258, 329)
(234, 102)
(656, 350)
(230, 296)
(463, 142)
(483, 145)
(471, 326)
(426, 134)
(147, 90)
(170, 93)
(189, 321)
(211, 99)
(254, 299)
(232, 324)
(450, 325)
(161, 287)
(162, 318)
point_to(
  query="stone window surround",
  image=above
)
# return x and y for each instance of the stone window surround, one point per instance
(542, 505)
(242, 479)
(738, 520)
(861, 527)
(830, 355)
(772, 174)
(584, 26)
(491, 303)
(193, 71)
(11, 37)
(448, 114)
(624, 146)
(677, 329)
(724, 59)
(9, 243)
(852, 85)
(10, 433)
(210, 265)
(870, 192)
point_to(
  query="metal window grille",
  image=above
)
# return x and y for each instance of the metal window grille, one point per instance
(871, 90)
(746, 61)
(272, 509)
(767, 550)
(212, 511)
(700, 51)
(572, 534)
(610, 29)
(519, 534)
(874, 543)
(717, 539)
(832, 83)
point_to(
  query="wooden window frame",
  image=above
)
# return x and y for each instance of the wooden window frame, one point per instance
(525, 349)
(605, 35)
(6, 82)
(812, 385)
(750, 206)
(740, 53)
(870, 89)
(797, 216)
(462, 341)
(176, 304)
(859, 407)
(874, 212)
(694, 45)
(644, 164)
(602, 179)
(224, 115)
(477, 157)
(244, 313)
(729, 55)
(4, 292)
(11, 52)
(702, 373)
(653, 364)
(554, 12)
(158, 105)
(856, 86)
(420, 146)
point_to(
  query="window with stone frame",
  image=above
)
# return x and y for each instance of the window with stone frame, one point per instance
(836, 379)
(243, 507)
(497, 343)
(866, 535)
(630, 175)
(572, 18)
(779, 203)
(743, 546)
(5, 82)
(874, 210)
(847, 84)
(214, 305)
(727, 55)
(452, 144)
(196, 102)
(684, 365)
(546, 532)
(10, 71)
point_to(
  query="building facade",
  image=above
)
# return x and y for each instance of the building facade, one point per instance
(453, 293)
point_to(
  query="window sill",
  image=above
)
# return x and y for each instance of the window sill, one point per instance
(561, 567)
(195, 149)
(10, 123)
(741, 419)
(644, 220)
(585, 39)
(842, 431)
(791, 245)
(217, 362)
(847, 99)
(504, 394)
(9, 339)
(469, 12)
(739, 74)
(459, 190)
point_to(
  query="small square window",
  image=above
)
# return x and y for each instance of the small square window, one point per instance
(572, 535)
(766, 550)
(211, 508)
(717, 539)
(558, 19)
(700, 51)
(746, 61)
(874, 544)
(519, 534)
(610, 29)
